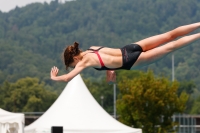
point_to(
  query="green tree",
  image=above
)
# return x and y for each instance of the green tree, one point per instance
(195, 109)
(149, 102)
(26, 95)
(188, 87)
(31, 44)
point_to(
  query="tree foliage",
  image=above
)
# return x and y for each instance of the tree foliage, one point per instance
(32, 38)
(26, 95)
(148, 102)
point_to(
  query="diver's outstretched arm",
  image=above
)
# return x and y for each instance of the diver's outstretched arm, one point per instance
(155, 41)
(66, 77)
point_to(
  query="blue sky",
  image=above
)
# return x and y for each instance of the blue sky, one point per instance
(7, 5)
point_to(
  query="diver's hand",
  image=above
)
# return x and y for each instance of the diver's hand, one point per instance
(54, 72)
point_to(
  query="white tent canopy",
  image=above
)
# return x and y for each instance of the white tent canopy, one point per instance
(11, 122)
(78, 112)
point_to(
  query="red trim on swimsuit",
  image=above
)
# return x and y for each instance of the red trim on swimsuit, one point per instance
(101, 62)
(96, 52)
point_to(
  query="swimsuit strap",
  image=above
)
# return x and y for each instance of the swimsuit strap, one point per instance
(95, 49)
(96, 52)
(101, 62)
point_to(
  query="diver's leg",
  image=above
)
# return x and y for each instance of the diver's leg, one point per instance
(155, 54)
(155, 41)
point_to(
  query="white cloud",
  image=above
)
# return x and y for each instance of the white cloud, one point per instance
(7, 5)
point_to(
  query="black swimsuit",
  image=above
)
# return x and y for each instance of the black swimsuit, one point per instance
(130, 54)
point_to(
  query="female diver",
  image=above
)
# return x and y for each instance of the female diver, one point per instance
(131, 56)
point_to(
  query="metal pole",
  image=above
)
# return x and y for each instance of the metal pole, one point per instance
(172, 67)
(191, 124)
(114, 98)
(102, 97)
(184, 123)
(180, 123)
(195, 123)
(174, 119)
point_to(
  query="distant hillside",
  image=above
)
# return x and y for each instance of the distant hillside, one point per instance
(32, 38)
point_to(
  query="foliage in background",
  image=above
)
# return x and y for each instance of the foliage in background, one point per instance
(26, 95)
(148, 101)
(33, 37)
